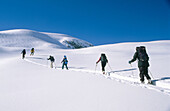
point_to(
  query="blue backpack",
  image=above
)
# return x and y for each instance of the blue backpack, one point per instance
(65, 60)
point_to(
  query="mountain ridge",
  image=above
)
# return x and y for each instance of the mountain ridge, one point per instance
(25, 38)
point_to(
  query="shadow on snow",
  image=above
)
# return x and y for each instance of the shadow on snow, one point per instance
(123, 70)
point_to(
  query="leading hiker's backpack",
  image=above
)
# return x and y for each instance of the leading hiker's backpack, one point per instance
(103, 58)
(143, 56)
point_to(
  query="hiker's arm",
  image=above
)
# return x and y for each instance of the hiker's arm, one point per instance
(98, 60)
(134, 57)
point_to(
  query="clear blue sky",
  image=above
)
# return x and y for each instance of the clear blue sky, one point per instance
(96, 21)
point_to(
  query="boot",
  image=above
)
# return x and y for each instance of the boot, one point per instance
(149, 81)
(142, 82)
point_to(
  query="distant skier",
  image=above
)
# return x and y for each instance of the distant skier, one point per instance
(65, 62)
(51, 58)
(143, 63)
(32, 52)
(103, 60)
(23, 53)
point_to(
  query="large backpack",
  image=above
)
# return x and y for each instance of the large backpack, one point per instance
(142, 55)
(103, 58)
(52, 59)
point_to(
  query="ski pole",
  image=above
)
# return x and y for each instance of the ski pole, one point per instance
(151, 74)
(110, 67)
(131, 65)
(47, 63)
(132, 70)
(55, 65)
(95, 68)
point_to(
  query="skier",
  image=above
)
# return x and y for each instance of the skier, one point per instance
(143, 63)
(65, 62)
(51, 58)
(32, 52)
(103, 60)
(23, 53)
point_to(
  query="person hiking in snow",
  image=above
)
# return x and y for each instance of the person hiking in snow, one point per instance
(103, 60)
(51, 58)
(23, 53)
(65, 62)
(143, 63)
(32, 52)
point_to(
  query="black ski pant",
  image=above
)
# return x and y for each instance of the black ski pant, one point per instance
(143, 72)
(103, 65)
(23, 56)
(64, 65)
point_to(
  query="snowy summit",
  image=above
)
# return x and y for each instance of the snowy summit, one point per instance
(28, 38)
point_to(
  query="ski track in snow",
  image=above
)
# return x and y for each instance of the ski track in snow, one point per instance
(113, 75)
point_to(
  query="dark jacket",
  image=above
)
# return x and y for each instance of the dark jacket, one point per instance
(140, 63)
(23, 52)
(51, 58)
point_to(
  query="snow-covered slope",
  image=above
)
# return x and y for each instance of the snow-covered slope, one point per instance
(24, 38)
(30, 85)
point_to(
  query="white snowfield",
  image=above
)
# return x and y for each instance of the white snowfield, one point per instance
(31, 85)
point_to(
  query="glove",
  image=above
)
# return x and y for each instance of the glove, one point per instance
(130, 62)
(96, 62)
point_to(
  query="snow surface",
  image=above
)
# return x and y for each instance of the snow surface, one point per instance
(31, 85)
